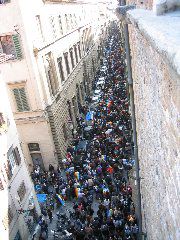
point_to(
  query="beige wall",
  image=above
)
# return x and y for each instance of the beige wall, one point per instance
(157, 105)
(30, 71)
(38, 132)
(9, 196)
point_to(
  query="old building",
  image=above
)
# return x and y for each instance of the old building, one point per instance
(19, 209)
(154, 45)
(53, 50)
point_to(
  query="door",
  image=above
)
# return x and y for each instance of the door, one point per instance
(37, 159)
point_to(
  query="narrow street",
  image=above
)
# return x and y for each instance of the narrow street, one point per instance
(90, 196)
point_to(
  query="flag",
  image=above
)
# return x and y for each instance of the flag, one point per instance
(60, 199)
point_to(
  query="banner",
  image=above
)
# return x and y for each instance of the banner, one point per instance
(60, 199)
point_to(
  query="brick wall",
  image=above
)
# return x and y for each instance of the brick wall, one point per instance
(157, 104)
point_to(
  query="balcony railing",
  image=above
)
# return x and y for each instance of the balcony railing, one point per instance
(4, 1)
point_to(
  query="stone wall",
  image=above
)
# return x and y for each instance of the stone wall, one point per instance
(157, 104)
(146, 4)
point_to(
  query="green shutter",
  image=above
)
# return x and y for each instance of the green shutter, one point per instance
(18, 100)
(21, 99)
(17, 46)
(24, 99)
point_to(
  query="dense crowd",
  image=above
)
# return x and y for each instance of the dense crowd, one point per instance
(98, 171)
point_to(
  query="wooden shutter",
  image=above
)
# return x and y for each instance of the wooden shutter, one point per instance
(18, 100)
(24, 99)
(17, 156)
(17, 46)
(21, 99)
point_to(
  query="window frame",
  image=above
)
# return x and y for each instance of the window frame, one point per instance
(61, 69)
(16, 47)
(66, 59)
(72, 58)
(65, 132)
(76, 53)
(22, 189)
(79, 50)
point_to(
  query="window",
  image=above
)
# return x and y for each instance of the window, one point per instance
(60, 26)
(74, 103)
(33, 147)
(8, 171)
(4, 1)
(17, 156)
(1, 185)
(10, 47)
(21, 191)
(1, 119)
(21, 99)
(10, 214)
(12, 162)
(53, 26)
(76, 55)
(51, 74)
(75, 20)
(82, 90)
(67, 22)
(8, 218)
(67, 63)
(71, 56)
(13, 159)
(71, 19)
(60, 66)
(64, 131)
(69, 109)
(39, 26)
(79, 50)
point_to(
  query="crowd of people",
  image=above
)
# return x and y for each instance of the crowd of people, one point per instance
(98, 172)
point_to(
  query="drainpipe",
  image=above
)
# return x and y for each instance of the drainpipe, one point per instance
(121, 12)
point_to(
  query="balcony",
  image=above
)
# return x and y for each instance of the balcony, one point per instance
(4, 1)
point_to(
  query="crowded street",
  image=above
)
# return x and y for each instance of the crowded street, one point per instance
(88, 196)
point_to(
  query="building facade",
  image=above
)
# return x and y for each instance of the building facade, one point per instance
(19, 209)
(52, 48)
(156, 79)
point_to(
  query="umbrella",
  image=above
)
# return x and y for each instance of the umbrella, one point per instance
(82, 145)
(95, 98)
(86, 129)
(89, 116)
(41, 198)
(97, 91)
(108, 131)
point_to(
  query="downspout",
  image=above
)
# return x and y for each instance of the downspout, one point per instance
(121, 12)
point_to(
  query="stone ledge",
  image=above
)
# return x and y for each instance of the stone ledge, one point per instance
(163, 32)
